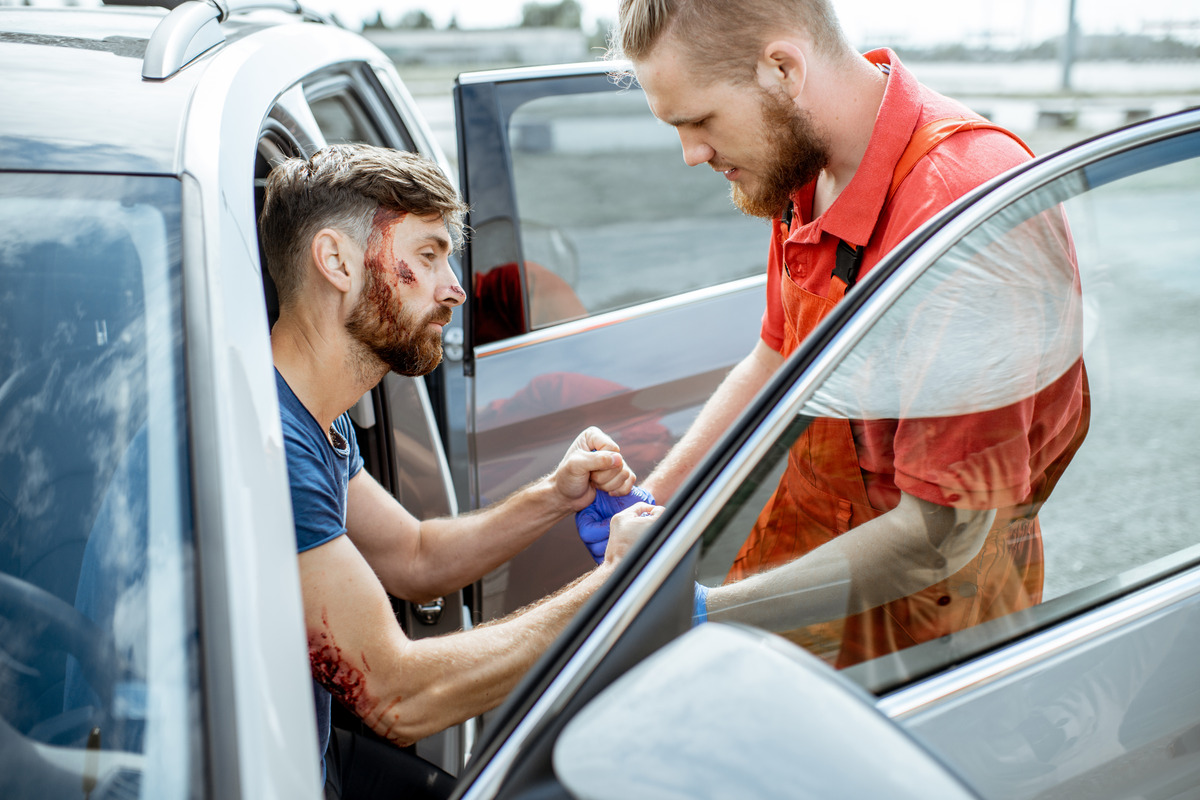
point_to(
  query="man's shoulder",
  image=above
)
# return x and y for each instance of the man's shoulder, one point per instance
(968, 158)
(955, 161)
(935, 105)
(954, 166)
(975, 154)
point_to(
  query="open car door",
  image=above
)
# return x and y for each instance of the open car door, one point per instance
(610, 285)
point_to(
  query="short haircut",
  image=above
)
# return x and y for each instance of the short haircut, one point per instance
(723, 37)
(342, 187)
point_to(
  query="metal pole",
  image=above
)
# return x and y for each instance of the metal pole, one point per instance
(1068, 49)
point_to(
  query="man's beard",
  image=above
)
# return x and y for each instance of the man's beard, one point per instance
(388, 336)
(797, 152)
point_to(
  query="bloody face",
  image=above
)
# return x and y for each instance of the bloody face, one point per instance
(403, 339)
(795, 156)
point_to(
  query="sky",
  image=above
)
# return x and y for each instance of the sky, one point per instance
(867, 22)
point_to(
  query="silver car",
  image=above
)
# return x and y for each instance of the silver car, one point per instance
(152, 636)
(149, 604)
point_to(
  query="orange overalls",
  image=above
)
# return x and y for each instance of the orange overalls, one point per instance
(822, 494)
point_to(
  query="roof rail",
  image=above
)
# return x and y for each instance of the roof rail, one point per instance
(193, 27)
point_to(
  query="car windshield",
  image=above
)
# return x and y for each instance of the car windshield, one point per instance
(98, 634)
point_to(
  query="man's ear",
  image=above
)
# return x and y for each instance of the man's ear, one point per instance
(782, 66)
(331, 251)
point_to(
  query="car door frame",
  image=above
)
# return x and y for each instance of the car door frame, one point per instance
(399, 433)
(257, 685)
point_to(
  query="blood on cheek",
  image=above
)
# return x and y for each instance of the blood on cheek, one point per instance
(385, 273)
(378, 255)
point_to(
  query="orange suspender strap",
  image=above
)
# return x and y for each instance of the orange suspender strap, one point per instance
(927, 137)
(924, 139)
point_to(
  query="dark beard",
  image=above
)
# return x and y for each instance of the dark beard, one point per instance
(388, 335)
(799, 155)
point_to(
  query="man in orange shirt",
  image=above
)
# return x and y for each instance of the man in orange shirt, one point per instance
(932, 519)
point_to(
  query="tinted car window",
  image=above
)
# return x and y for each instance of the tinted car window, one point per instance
(343, 121)
(610, 214)
(98, 635)
(1045, 366)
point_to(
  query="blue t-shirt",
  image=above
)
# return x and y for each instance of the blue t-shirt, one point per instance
(319, 475)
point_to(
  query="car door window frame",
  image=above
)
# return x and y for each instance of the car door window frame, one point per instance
(486, 103)
(361, 89)
(373, 112)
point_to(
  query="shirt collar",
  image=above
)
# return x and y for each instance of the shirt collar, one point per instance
(855, 212)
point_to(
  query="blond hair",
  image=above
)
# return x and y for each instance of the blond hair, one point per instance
(723, 37)
(341, 187)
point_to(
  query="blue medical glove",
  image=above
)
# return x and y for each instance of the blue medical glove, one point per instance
(700, 605)
(594, 520)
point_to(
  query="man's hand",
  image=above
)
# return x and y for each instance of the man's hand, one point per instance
(593, 461)
(627, 527)
(593, 521)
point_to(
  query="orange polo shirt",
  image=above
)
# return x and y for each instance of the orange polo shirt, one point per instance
(993, 459)
(858, 216)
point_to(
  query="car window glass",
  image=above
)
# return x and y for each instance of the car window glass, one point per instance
(610, 216)
(1031, 396)
(98, 633)
(343, 120)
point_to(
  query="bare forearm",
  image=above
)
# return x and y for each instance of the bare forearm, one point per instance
(446, 680)
(407, 689)
(457, 551)
(421, 560)
(726, 403)
(900, 553)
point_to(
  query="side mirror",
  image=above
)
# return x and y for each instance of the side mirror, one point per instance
(728, 711)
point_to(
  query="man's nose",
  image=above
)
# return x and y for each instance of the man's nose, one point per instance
(695, 150)
(450, 293)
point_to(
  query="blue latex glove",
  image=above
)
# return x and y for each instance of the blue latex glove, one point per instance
(594, 520)
(700, 605)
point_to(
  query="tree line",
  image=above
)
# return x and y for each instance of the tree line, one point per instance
(563, 14)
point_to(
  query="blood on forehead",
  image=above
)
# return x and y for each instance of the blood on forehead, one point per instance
(386, 218)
